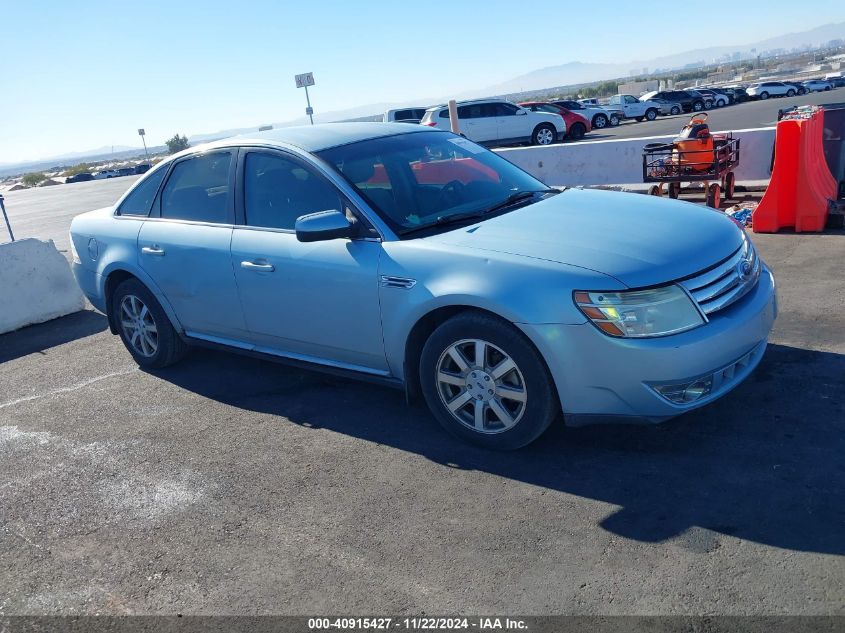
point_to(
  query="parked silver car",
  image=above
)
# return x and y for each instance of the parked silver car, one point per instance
(418, 258)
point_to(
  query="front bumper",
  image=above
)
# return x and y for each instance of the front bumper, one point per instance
(604, 379)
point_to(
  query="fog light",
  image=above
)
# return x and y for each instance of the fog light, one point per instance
(685, 393)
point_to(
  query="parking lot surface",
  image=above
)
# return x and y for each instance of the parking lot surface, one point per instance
(227, 485)
(742, 116)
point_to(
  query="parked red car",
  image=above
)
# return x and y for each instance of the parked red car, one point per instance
(576, 125)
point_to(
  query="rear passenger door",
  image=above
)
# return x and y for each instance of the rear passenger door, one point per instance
(184, 244)
(478, 122)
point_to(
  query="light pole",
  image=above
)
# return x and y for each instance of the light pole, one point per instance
(142, 134)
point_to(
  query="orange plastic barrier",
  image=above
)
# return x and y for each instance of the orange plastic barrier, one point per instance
(801, 186)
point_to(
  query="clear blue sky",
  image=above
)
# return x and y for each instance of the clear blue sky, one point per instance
(86, 74)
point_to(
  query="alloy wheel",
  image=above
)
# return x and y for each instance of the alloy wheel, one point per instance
(481, 386)
(139, 326)
(544, 136)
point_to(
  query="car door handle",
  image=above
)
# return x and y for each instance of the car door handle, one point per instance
(261, 268)
(152, 250)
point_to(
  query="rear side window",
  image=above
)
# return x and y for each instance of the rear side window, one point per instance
(278, 190)
(198, 189)
(505, 109)
(444, 114)
(140, 199)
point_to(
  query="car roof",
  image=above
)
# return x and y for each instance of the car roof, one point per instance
(315, 138)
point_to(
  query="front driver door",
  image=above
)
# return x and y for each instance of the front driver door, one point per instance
(315, 301)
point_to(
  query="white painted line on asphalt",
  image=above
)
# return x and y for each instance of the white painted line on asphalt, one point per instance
(62, 390)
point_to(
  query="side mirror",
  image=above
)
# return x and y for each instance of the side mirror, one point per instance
(323, 226)
(521, 112)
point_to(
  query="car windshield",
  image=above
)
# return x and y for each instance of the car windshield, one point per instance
(430, 179)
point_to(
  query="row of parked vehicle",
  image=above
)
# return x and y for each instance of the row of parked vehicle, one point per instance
(500, 122)
(85, 176)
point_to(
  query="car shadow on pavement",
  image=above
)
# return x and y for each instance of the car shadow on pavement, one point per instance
(766, 463)
(35, 339)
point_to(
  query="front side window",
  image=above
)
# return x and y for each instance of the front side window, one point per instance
(140, 199)
(425, 179)
(278, 190)
(505, 109)
(198, 189)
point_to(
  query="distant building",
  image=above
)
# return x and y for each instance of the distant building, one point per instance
(637, 88)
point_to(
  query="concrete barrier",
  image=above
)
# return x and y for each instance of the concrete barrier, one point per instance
(620, 161)
(36, 284)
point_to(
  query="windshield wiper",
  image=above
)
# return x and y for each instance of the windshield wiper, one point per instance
(472, 215)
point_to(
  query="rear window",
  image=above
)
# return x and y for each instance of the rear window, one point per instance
(140, 199)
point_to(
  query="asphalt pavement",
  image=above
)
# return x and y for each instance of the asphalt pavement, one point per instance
(228, 485)
(741, 116)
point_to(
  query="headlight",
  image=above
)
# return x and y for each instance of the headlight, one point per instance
(640, 313)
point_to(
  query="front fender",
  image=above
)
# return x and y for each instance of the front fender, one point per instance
(516, 288)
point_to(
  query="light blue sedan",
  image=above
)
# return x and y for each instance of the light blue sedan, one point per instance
(419, 259)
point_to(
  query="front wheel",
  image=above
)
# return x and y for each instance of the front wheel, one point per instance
(544, 134)
(144, 327)
(615, 120)
(714, 195)
(698, 106)
(599, 121)
(651, 114)
(486, 383)
(764, 95)
(675, 110)
(790, 93)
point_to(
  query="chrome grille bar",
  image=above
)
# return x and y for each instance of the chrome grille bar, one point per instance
(723, 284)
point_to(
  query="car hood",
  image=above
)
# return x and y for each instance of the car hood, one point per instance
(639, 240)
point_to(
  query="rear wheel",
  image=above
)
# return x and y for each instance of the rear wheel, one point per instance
(599, 121)
(544, 134)
(675, 110)
(698, 106)
(651, 114)
(615, 120)
(577, 131)
(714, 195)
(790, 93)
(486, 383)
(144, 327)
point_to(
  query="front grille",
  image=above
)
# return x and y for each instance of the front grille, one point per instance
(718, 287)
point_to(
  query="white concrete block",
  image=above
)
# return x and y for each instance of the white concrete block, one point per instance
(36, 284)
(588, 163)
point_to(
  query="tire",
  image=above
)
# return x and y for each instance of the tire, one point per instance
(790, 93)
(674, 190)
(156, 344)
(615, 120)
(577, 131)
(544, 134)
(826, 88)
(708, 105)
(698, 106)
(650, 114)
(764, 95)
(729, 186)
(477, 420)
(655, 190)
(802, 91)
(600, 121)
(714, 195)
(675, 110)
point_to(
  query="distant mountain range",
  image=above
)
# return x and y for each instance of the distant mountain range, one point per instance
(569, 74)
